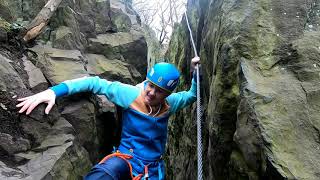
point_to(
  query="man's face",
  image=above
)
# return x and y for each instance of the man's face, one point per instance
(154, 95)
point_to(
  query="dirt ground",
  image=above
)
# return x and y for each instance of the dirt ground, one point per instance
(9, 116)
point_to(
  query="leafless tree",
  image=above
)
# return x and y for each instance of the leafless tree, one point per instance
(160, 15)
(146, 10)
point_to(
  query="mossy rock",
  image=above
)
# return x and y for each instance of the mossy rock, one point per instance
(5, 25)
(6, 12)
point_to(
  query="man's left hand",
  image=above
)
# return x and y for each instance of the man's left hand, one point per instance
(194, 62)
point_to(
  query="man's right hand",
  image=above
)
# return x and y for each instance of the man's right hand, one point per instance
(29, 103)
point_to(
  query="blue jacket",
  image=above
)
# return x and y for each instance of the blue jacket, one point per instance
(142, 136)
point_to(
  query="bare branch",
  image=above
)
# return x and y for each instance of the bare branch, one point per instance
(38, 24)
(160, 16)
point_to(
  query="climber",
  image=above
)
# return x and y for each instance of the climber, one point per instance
(146, 111)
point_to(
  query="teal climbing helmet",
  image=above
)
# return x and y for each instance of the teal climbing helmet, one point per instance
(164, 75)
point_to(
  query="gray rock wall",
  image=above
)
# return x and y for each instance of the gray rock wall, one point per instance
(260, 61)
(260, 88)
(83, 38)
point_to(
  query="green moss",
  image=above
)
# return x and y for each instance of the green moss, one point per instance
(235, 90)
(5, 25)
(6, 11)
(237, 161)
(122, 22)
(239, 169)
(259, 37)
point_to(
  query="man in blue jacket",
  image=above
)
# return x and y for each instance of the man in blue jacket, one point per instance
(145, 118)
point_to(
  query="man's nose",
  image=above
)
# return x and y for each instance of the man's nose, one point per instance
(152, 92)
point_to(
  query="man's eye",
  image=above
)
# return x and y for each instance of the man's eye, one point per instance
(160, 91)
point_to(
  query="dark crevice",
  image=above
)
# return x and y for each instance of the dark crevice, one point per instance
(312, 14)
(108, 132)
(271, 173)
(317, 134)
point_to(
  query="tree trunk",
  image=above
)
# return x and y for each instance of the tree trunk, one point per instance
(41, 20)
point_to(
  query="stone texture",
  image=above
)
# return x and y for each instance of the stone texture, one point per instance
(9, 173)
(111, 69)
(59, 65)
(12, 146)
(65, 38)
(103, 22)
(82, 38)
(260, 66)
(104, 104)
(3, 35)
(56, 163)
(35, 77)
(38, 146)
(9, 78)
(81, 115)
(6, 10)
(127, 47)
(122, 15)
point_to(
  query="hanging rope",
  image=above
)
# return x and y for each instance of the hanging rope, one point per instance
(199, 138)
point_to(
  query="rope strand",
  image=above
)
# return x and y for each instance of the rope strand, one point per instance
(191, 36)
(199, 109)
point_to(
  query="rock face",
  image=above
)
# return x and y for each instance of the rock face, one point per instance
(38, 146)
(260, 62)
(260, 87)
(84, 38)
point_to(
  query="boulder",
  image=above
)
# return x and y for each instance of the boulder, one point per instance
(35, 77)
(127, 47)
(103, 22)
(9, 78)
(12, 145)
(38, 146)
(10, 173)
(66, 161)
(81, 115)
(65, 38)
(122, 15)
(7, 11)
(104, 105)
(114, 69)
(59, 65)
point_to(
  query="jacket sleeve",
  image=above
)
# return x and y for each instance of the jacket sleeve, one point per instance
(116, 92)
(182, 99)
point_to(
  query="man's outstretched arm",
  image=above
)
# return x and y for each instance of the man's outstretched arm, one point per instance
(118, 93)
